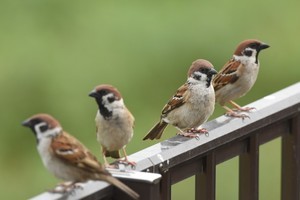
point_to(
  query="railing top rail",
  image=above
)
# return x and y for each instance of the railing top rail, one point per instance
(222, 130)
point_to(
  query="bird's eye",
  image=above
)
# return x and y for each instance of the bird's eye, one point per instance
(204, 71)
(103, 92)
(253, 45)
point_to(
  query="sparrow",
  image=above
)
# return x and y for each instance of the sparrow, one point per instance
(192, 104)
(67, 158)
(238, 76)
(114, 123)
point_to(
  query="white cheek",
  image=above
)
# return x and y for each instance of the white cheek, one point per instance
(202, 80)
(105, 98)
(245, 59)
(51, 132)
(203, 77)
(37, 129)
(198, 73)
(114, 105)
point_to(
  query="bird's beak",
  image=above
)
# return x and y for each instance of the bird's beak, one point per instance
(212, 71)
(93, 93)
(263, 46)
(26, 123)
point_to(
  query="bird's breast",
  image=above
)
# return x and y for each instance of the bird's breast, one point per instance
(114, 133)
(196, 110)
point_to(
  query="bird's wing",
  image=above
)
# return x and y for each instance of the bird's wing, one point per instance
(177, 100)
(228, 74)
(72, 152)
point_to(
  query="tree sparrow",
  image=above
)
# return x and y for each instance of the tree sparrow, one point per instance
(238, 76)
(114, 122)
(65, 157)
(192, 104)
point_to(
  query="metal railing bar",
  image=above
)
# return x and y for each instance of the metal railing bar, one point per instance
(186, 170)
(205, 183)
(279, 110)
(231, 150)
(89, 190)
(166, 186)
(222, 130)
(290, 173)
(273, 131)
(248, 170)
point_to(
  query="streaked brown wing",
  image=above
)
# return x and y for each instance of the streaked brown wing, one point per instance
(177, 100)
(71, 151)
(227, 74)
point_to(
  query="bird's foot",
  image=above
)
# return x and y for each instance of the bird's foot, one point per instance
(190, 135)
(66, 187)
(127, 162)
(234, 114)
(200, 130)
(244, 109)
(193, 133)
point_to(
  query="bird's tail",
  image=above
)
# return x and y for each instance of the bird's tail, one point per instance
(112, 180)
(156, 131)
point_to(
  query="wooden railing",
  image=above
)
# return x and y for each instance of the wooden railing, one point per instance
(173, 160)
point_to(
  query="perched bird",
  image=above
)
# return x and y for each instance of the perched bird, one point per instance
(192, 104)
(65, 157)
(114, 122)
(238, 76)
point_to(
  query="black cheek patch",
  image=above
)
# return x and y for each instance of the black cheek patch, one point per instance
(248, 53)
(105, 112)
(197, 77)
(44, 128)
(111, 99)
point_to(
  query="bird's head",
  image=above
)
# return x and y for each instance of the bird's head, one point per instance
(43, 125)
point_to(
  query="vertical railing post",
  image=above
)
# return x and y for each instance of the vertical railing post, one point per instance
(206, 181)
(248, 171)
(290, 174)
(166, 186)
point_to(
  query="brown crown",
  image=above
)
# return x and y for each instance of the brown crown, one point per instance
(198, 64)
(244, 44)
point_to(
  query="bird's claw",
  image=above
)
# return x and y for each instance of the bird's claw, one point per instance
(245, 109)
(194, 130)
(68, 188)
(127, 162)
(234, 114)
(194, 133)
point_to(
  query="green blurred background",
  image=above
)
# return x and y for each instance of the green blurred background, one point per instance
(53, 52)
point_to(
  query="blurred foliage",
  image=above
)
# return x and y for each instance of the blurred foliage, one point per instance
(52, 53)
